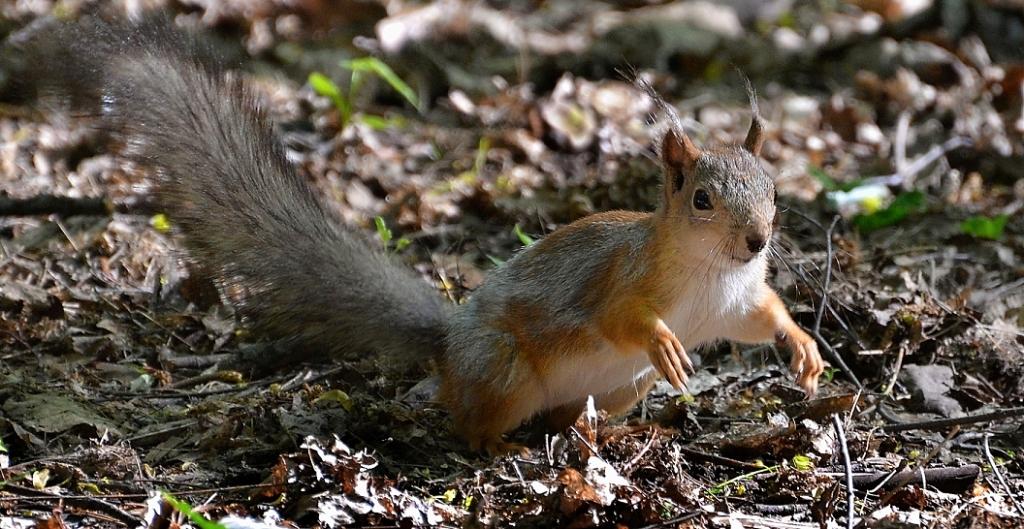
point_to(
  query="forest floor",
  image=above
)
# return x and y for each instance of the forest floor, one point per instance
(897, 141)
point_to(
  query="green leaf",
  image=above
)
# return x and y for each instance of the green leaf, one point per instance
(378, 67)
(495, 260)
(449, 495)
(685, 399)
(3, 447)
(802, 463)
(40, 478)
(829, 373)
(325, 87)
(402, 244)
(196, 518)
(160, 223)
(382, 230)
(336, 395)
(481, 154)
(90, 488)
(523, 237)
(381, 122)
(901, 207)
(985, 227)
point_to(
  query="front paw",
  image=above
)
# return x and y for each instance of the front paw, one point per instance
(668, 356)
(806, 364)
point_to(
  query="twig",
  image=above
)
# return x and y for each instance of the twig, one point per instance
(939, 424)
(588, 444)
(86, 503)
(895, 371)
(845, 326)
(885, 480)
(922, 474)
(139, 495)
(783, 509)
(721, 460)
(69, 206)
(673, 522)
(54, 205)
(837, 423)
(816, 330)
(646, 448)
(963, 441)
(834, 356)
(828, 274)
(946, 479)
(999, 476)
(901, 176)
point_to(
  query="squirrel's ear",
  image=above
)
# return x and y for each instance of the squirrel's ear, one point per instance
(755, 136)
(679, 155)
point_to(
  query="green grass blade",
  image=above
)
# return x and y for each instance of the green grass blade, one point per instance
(196, 518)
(378, 67)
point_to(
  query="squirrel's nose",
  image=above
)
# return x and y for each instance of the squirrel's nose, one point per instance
(755, 243)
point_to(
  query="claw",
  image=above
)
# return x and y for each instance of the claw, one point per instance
(668, 356)
(807, 363)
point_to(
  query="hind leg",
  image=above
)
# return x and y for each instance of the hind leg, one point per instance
(484, 423)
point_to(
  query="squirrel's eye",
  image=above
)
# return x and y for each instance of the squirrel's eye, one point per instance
(701, 199)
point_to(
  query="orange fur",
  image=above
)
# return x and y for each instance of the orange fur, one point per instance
(771, 321)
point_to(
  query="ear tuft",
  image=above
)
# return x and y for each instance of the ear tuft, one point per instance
(755, 136)
(678, 152)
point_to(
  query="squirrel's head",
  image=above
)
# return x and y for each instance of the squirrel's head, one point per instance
(721, 201)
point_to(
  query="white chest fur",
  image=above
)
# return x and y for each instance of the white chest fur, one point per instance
(708, 309)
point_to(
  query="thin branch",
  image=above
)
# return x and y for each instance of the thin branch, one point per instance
(946, 479)
(999, 476)
(721, 460)
(939, 424)
(816, 331)
(828, 273)
(85, 503)
(847, 468)
(902, 176)
(66, 206)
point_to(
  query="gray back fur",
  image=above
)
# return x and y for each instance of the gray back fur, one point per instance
(247, 215)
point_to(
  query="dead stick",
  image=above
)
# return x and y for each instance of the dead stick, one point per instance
(828, 274)
(84, 503)
(816, 330)
(847, 469)
(947, 479)
(999, 476)
(900, 177)
(69, 206)
(721, 460)
(939, 424)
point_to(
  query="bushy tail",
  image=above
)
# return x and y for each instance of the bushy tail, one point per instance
(248, 217)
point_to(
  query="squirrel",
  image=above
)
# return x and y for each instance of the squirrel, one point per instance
(600, 307)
